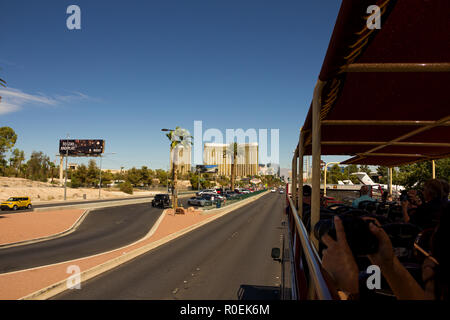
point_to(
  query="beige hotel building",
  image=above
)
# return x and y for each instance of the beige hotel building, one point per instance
(219, 154)
(183, 159)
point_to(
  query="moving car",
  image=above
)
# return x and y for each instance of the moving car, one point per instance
(15, 203)
(273, 190)
(281, 191)
(161, 200)
(199, 202)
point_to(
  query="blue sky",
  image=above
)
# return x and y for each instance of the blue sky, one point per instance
(138, 66)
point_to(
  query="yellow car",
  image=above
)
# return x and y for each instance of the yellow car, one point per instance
(15, 203)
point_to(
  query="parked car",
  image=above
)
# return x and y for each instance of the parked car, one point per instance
(206, 191)
(229, 195)
(161, 200)
(215, 195)
(212, 197)
(199, 202)
(15, 203)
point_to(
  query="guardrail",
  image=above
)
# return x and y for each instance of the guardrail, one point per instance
(308, 277)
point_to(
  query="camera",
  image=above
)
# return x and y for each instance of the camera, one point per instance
(404, 196)
(359, 238)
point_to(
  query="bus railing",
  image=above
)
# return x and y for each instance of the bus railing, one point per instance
(309, 280)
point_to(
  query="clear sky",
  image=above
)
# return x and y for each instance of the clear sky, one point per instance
(138, 66)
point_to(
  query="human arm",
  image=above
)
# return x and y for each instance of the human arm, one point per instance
(338, 261)
(399, 279)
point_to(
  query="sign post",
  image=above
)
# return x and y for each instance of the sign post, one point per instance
(80, 148)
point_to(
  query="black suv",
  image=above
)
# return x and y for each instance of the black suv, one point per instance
(161, 201)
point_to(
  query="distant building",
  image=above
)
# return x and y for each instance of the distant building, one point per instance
(183, 159)
(72, 166)
(221, 155)
(268, 170)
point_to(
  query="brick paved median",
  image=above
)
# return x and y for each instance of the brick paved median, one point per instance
(27, 225)
(18, 284)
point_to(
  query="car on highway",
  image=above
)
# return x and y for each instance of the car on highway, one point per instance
(199, 202)
(206, 191)
(161, 201)
(15, 203)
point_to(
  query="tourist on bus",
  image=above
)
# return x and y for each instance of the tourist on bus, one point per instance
(445, 189)
(307, 191)
(426, 215)
(364, 196)
(339, 262)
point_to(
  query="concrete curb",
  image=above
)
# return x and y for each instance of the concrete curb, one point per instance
(104, 204)
(61, 286)
(50, 237)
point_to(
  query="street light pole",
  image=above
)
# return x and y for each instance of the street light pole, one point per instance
(325, 178)
(100, 183)
(65, 179)
(174, 205)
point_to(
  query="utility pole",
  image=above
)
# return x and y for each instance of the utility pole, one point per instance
(100, 178)
(325, 178)
(65, 179)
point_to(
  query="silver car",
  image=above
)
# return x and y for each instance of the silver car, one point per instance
(199, 202)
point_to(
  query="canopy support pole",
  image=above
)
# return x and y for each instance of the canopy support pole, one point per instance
(433, 168)
(294, 178)
(316, 150)
(301, 151)
(390, 180)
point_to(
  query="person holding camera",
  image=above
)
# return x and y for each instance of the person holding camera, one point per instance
(339, 262)
(424, 215)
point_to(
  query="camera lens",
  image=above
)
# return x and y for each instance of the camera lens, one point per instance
(359, 238)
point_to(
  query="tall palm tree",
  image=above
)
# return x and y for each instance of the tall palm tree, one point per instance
(3, 84)
(178, 138)
(235, 150)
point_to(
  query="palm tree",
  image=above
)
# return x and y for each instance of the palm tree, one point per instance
(178, 138)
(3, 84)
(235, 150)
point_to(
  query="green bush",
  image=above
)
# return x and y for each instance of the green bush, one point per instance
(126, 187)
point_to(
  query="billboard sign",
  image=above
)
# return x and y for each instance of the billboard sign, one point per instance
(81, 147)
(207, 168)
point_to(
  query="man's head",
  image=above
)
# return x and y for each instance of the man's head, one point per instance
(445, 188)
(364, 190)
(307, 191)
(432, 189)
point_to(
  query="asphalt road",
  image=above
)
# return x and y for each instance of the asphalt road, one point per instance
(68, 203)
(228, 258)
(102, 230)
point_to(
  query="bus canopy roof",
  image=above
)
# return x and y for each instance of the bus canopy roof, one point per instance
(386, 97)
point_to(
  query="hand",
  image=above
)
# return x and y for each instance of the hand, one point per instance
(338, 260)
(384, 258)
